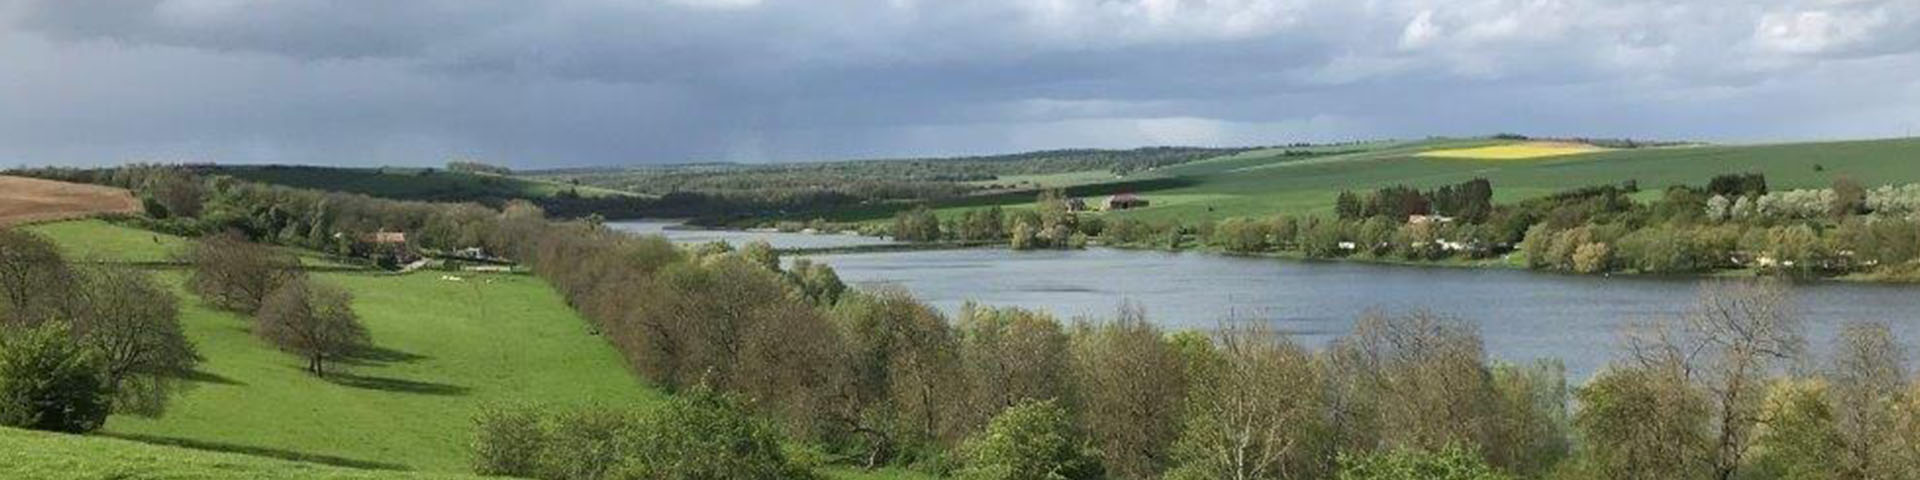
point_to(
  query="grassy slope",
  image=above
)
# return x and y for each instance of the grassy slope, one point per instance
(1262, 183)
(41, 455)
(447, 349)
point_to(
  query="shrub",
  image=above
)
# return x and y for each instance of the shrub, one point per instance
(507, 441)
(1030, 440)
(48, 382)
(1450, 463)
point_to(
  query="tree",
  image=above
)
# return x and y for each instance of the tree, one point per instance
(1033, 439)
(1849, 198)
(179, 193)
(1008, 356)
(508, 441)
(48, 382)
(1637, 422)
(34, 278)
(133, 325)
(1131, 386)
(1867, 379)
(1416, 381)
(1257, 412)
(904, 373)
(1737, 335)
(312, 320)
(1798, 439)
(234, 274)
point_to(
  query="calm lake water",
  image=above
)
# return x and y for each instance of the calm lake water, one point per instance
(737, 238)
(1522, 315)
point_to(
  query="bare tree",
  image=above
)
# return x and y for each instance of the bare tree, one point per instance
(315, 321)
(1868, 378)
(1257, 412)
(34, 278)
(1416, 381)
(233, 273)
(1738, 335)
(133, 324)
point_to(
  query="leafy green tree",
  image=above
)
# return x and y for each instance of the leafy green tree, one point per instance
(314, 321)
(1031, 440)
(48, 382)
(1799, 439)
(1642, 423)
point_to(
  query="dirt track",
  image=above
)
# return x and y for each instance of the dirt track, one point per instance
(24, 200)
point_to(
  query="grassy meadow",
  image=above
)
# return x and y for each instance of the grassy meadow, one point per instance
(444, 349)
(1268, 182)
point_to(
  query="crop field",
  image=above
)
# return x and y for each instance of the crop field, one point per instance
(26, 200)
(1515, 151)
(1265, 183)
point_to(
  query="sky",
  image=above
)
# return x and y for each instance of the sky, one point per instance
(600, 82)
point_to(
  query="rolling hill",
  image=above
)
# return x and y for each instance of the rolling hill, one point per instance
(1269, 182)
(25, 200)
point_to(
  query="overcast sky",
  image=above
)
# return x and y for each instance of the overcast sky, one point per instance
(600, 82)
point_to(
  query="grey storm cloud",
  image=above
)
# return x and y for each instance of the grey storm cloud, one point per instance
(584, 82)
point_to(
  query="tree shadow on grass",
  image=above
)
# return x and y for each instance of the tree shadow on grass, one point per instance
(381, 355)
(257, 451)
(398, 385)
(202, 376)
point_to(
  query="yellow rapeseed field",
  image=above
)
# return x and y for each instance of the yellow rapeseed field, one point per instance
(1515, 151)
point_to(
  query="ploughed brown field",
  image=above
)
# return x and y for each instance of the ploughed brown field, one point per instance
(24, 200)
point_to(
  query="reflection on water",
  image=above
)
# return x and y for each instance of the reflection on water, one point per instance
(1523, 315)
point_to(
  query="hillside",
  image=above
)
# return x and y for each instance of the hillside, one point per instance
(1268, 182)
(444, 349)
(24, 200)
(53, 456)
(427, 184)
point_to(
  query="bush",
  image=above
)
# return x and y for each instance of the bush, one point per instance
(508, 441)
(1030, 440)
(696, 435)
(48, 382)
(1450, 463)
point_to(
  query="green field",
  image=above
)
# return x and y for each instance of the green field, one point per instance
(51, 456)
(444, 349)
(411, 183)
(1265, 182)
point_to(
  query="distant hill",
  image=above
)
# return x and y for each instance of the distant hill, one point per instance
(1267, 182)
(430, 184)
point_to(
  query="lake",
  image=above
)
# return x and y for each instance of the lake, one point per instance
(1522, 315)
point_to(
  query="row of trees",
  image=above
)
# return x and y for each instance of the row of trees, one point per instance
(1470, 201)
(80, 341)
(291, 311)
(1053, 223)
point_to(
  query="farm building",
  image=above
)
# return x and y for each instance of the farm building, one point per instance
(1125, 201)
